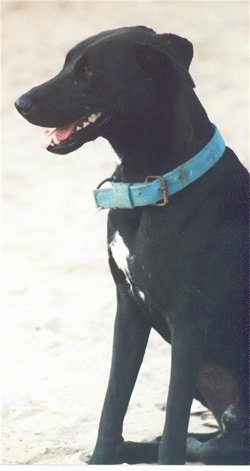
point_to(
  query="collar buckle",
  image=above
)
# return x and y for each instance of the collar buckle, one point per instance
(103, 182)
(163, 188)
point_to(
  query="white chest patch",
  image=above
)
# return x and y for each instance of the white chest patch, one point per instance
(122, 257)
(120, 253)
(142, 295)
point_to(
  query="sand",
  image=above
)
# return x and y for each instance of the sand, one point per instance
(59, 298)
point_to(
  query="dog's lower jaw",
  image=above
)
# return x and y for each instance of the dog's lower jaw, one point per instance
(81, 137)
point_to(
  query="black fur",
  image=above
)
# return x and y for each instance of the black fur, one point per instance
(189, 258)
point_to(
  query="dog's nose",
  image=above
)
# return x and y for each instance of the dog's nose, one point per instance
(23, 105)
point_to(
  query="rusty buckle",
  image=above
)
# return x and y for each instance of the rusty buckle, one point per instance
(163, 188)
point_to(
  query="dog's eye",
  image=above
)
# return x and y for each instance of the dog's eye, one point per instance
(86, 71)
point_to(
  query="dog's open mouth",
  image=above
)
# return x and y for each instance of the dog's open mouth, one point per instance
(70, 137)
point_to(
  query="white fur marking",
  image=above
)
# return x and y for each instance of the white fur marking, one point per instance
(142, 295)
(121, 256)
(120, 252)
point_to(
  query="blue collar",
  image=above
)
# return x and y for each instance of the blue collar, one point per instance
(156, 189)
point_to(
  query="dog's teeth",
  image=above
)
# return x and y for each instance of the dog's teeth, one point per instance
(93, 117)
(87, 121)
(56, 141)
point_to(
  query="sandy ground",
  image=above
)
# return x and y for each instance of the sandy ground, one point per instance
(59, 301)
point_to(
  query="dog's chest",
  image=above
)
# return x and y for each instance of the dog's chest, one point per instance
(124, 259)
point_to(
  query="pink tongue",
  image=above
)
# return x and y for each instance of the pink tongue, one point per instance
(60, 133)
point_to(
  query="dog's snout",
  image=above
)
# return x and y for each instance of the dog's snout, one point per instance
(23, 105)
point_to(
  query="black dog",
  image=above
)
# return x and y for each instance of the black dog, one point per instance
(177, 244)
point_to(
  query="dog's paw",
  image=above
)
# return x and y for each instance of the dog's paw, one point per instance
(107, 453)
(136, 452)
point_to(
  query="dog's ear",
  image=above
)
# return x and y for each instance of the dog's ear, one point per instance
(179, 48)
(163, 51)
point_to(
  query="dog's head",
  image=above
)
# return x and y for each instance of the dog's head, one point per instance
(103, 76)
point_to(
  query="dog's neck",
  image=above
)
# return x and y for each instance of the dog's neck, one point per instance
(157, 145)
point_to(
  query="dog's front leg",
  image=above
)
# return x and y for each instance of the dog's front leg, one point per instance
(187, 346)
(130, 339)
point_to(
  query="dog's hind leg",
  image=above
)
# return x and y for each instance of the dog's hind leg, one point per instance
(227, 446)
(147, 452)
(225, 449)
(130, 339)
